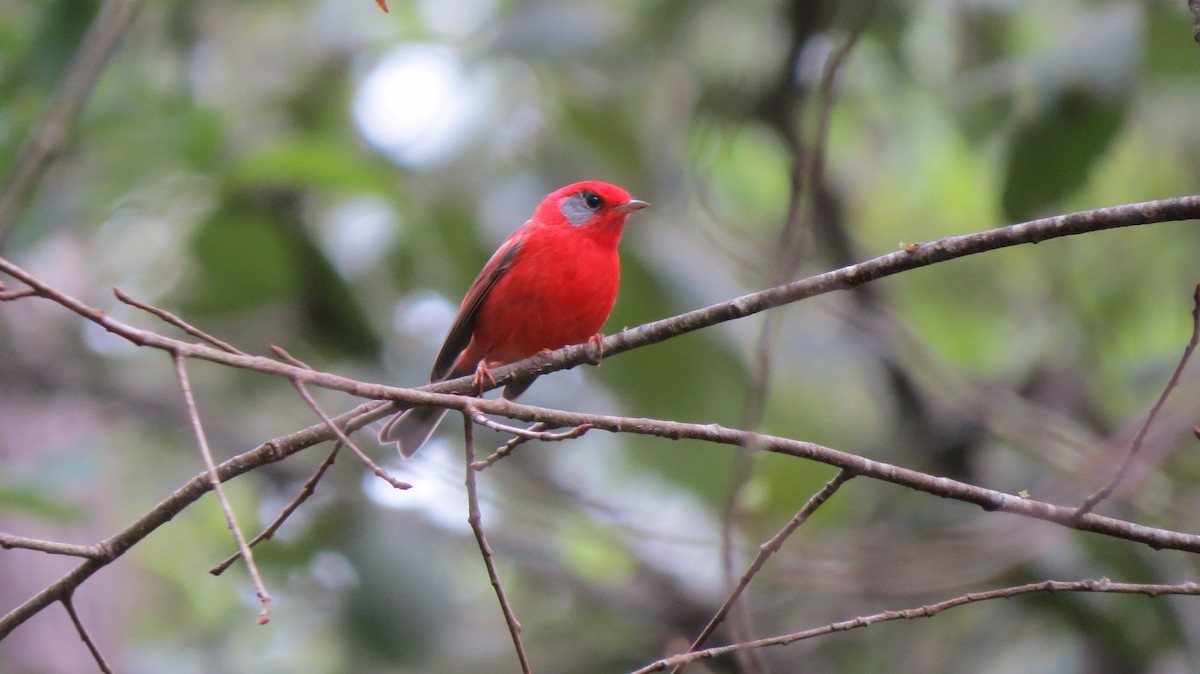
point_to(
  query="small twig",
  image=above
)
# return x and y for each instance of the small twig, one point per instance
(927, 611)
(284, 355)
(337, 431)
(520, 435)
(345, 439)
(833, 67)
(10, 295)
(475, 519)
(1136, 446)
(53, 132)
(9, 541)
(264, 616)
(764, 552)
(179, 323)
(508, 447)
(850, 276)
(309, 488)
(68, 603)
(529, 434)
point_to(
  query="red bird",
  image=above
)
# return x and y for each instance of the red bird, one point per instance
(552, 283)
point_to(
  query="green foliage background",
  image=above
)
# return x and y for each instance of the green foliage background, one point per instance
(218, 171)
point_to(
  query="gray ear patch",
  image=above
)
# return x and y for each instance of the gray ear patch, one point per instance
(575, 209)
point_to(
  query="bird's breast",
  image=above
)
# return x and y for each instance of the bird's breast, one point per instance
(559, 291)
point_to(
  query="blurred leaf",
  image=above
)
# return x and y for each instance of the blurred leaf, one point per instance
(980, 118)
(401, 602)
(609, 140)
(694, 377)
(331, 310)
(256, 251)
(63, 23)
(1170, 56)
(42, 502)
(1051, 155)
(312, 161)
(595, 552)
(244, 261)
(982, 106)
(201, 132)
(750, 173)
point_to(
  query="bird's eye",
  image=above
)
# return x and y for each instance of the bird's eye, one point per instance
(592, 200)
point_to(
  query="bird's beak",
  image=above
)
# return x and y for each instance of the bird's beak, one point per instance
(631, 206)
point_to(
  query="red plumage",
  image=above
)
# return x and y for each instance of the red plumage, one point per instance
(553, 282)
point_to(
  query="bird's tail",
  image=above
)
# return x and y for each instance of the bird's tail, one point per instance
(411, 428)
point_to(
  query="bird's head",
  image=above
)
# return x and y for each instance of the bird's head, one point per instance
(589, 205)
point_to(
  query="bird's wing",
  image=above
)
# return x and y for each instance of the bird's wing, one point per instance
(464, 324)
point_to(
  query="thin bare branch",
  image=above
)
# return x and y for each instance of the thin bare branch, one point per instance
(928, 611)
(285, 446)
(912, 256)
(9, 541)
(342, 437)
(309, 488)
(508, 447)
(178, 322)
(534, 432)
(764, 553)
(1136, 445)
(987, 499)
(69, 604)
(525, 433)
(345, 439)
(185, 385)
(283, 353)
(815, 166)
(50, 136)
(10, 295)
(475, 519)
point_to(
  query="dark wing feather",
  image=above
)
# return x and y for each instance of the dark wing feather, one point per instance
(464, 324)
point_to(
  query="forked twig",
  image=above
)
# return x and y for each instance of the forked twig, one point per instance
(334, 428)
(1136, 446)
(520, 435)
(283, 354)
(10, 295)
(764, 552)
(264, 616)
(178, 322)
(508, 447)
(475, 519)
(309, 488)
(345, 439)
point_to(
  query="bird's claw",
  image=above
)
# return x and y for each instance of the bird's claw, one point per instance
(482, 372)
(597, 340)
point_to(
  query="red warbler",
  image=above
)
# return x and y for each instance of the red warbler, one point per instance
(553, 282)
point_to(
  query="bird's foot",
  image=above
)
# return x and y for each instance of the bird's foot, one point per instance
(597, 340)
(481, 373)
